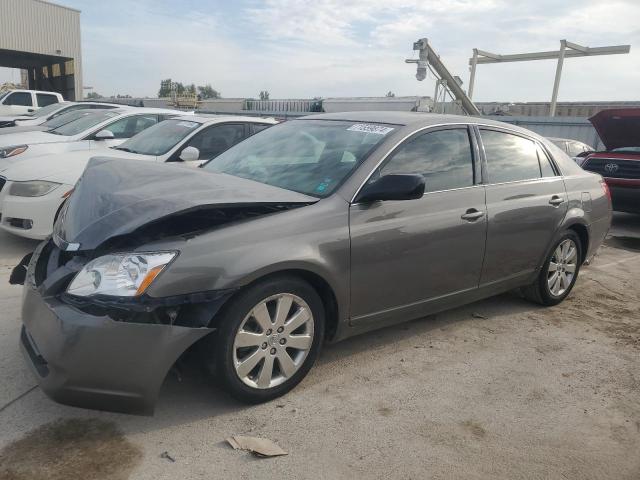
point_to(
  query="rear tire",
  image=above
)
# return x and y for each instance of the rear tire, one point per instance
(268, 339)
(559, 272)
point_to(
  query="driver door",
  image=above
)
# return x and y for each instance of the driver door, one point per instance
(408, 255)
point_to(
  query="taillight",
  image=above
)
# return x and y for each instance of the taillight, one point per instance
(606, 189)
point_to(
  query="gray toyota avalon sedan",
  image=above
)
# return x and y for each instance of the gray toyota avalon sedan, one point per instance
(310, 231)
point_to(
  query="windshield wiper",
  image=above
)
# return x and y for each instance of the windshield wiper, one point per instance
(124, 149)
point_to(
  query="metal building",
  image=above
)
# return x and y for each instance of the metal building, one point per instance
(44, 39)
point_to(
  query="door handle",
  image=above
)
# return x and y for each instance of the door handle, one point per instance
(472, 215)
(556, 200)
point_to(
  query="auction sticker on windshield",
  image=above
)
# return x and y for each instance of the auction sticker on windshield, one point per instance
(370, 128)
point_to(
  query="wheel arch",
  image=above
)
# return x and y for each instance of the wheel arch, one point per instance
(319, 282)
(583, 234)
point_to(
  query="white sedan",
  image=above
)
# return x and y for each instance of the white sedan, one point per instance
(32, 191)
(94, 131)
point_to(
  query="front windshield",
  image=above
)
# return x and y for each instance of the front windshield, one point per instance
(627, 150)
(44, 111)
(160, 138)
(307, 156)
(83, 123)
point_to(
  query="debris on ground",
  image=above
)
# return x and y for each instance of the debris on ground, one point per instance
(262, 447)
(167, 456)
(479, 315)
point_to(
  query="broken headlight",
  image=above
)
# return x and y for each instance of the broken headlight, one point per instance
(121, 275)
(7, 152)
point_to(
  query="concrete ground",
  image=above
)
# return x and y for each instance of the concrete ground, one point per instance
(497, 389)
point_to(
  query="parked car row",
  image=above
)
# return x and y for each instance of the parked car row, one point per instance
(288, 235)
(36, 187)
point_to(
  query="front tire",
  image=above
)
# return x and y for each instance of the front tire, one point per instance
(269, 338)
(559, 272)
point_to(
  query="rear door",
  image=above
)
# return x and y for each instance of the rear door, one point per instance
(526, 202)
(405, 254)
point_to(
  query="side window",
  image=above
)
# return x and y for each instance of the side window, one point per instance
(22, 99)
(130, 126)
(258, 127)
(216, 139)
(443, 157)
(45, 99)
(545, 164)
(143, 122)
(509, 157)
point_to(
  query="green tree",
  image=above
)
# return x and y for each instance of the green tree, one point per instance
(93, 95)
(390, 94)
(165, 88)
(207, 91)
(264, 95)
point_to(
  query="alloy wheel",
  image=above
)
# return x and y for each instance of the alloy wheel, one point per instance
(273, 341)
(562, 267)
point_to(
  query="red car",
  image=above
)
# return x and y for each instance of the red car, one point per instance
(619, 130)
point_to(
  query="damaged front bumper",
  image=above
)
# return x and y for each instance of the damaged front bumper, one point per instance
(90, 357)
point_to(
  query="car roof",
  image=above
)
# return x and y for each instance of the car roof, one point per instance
(206, 118)
(410, 119)
(146, 110)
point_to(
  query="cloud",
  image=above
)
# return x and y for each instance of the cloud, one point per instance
(306, 48)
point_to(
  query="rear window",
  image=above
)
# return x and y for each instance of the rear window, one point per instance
(45, 99)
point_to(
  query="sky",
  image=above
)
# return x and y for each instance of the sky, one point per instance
(329, 48)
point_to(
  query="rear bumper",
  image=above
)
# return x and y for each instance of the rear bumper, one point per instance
(93, 361)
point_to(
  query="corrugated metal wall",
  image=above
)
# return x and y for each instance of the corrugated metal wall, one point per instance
(36, 26)
(575, 128)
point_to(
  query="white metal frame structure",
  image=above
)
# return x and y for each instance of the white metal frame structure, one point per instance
(567, 50)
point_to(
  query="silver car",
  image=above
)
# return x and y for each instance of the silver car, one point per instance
(309, 231)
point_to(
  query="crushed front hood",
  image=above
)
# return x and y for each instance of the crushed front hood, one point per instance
(619, 127)
(115, 197)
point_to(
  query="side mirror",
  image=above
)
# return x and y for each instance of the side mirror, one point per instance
(189, 154)
(393, 187)
(104, 135)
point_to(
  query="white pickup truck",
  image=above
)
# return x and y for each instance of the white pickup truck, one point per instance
(19, 102)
